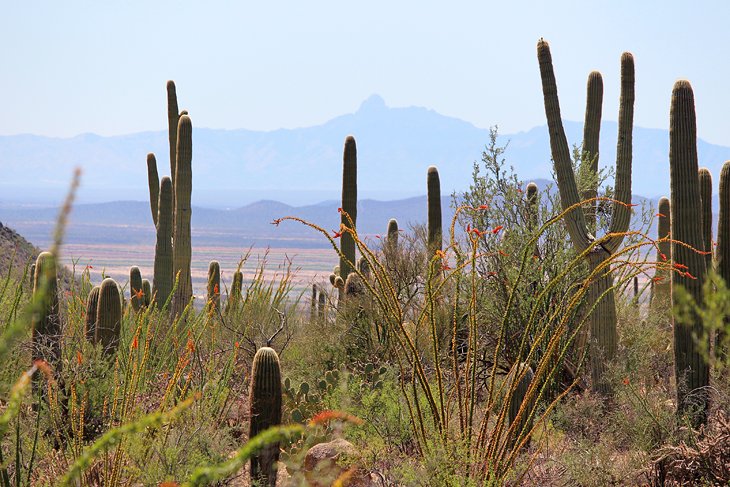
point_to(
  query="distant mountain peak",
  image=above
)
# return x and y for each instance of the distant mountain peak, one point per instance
(373, 103)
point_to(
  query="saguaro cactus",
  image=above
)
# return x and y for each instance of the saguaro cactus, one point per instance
(691, 369)
(234, 293)
(147, 288)
(661, 286)
(591, 137)
(603, 318)
(136, 291)
(163, 278)
(265, 411)
(153, 181)
(706, 199)
(108, 316)
(392, 234)
(722, 254)
(46, 323)
(349, 203)
(517, 401)
(92, 302)
(322, 305)
(214, 285)
(182, 251)
(172, 122)
(435, 233)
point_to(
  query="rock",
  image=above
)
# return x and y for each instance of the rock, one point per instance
(325, 462)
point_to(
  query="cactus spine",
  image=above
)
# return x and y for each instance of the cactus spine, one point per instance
(108, 316)
(214, 285)
(603, 318)
(182, 184)
(163, 278)
(46, 322)
(691, 370)
(92, 302)
(661, 286)
(349, 204)
(433, 185)
(706, 199)
(136, 291)
(153, 181)
(722, 254)
(265, 412)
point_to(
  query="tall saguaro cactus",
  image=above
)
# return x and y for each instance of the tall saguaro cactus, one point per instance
(435, 232)
(603, 318)
(108, 316)
(182, 183)
(722, 254)
(265, 412)
(661, 286)
(691, 369)
(706, 199)
(153, 181)
(163, 271)
(349, 203)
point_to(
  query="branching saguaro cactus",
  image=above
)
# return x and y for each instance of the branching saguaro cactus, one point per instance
(691, 369)
(722, 254)
(214, 286)
(182, 251)
(46, 324)
(92, 302)
(153, 181)
(706, 199)
(136, 291)
(661, 285)
(349, 203)
(435, 232)
(108, 316)
(163, 277)
(265, 411)
(603, 318)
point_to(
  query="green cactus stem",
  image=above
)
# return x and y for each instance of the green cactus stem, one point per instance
(591, 136)
(349, 203)
(517, 402)
(691, 369)
(265, 412)
(661, 282)
(153, 181)
(32, 276)
(603, 332)
(163, 278)
(706, 199)
(147, 288)
(92, 302)
(182, 251)
(321, 309)
(313, 304)
(172, 122)
(46, 323)
(108, 316)
(435, 232)
(136, 291)
(234, 293)
(214, 286)
(722, 254)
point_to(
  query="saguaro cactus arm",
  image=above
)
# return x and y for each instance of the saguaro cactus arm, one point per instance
(172, 121)
(706, 197)
(591, 137)
(153, 181)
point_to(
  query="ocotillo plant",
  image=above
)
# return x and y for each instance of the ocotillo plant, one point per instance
(46, 325)
(153, 181)
(163, 278)
(591, 137)
(603, 318)
(147, 288)
(108, 316)
(706, 199)
(172, 121)
(136, 291)
(349, 203)
(435, 231)
(182, 184)
(722, 254)
(690, 367)
(661, 285)
(214, 285)
(234, 293)
(265, 412)
(92, 302)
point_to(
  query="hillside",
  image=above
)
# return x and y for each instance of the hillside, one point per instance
(15, 252)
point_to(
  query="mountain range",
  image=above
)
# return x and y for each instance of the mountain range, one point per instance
(303, 166)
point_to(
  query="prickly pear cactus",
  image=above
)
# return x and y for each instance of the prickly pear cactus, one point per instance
(265, 397)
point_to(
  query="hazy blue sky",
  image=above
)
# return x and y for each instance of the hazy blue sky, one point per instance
(100, 66)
